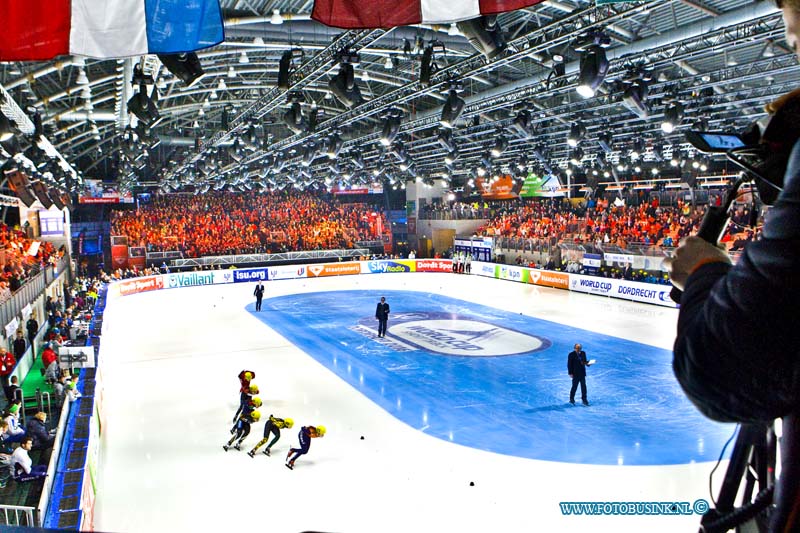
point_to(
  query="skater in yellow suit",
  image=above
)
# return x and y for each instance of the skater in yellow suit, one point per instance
(274, 426)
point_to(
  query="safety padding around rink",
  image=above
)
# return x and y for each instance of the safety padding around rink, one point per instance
(615, 288)
(72, 499)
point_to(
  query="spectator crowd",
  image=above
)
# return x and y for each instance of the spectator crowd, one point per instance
(234, 223)
(602, 222)
(22, 258)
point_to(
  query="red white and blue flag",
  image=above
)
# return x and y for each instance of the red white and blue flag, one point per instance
(44, 29)
(352, 14)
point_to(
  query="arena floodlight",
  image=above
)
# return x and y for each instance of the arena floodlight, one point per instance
(521, 125)
(186, 67)
(144, 107)
(484, 34)
(343, 86)
(576, 133)
(672, 117)
(500, 146)
(293, 118)
(452, 109)
(391, 127)
(593, 70)
(635, 99)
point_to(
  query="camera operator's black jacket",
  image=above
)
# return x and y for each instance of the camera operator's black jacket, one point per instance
(737, 353)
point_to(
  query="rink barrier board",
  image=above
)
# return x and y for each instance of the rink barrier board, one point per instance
(650, 293)
(72, 499)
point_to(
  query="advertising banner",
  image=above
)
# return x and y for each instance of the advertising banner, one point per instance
(591, 260)
(333, 269)
(196, 279)
(547, 278)
(151, 283)
(387, 267)
(618, 258)
(97, 192)
(287, 272)
(512, 273)
(434, 265)
(544, 186)
(501, 188)
(245, 275)
(628, 290)
(488, 270)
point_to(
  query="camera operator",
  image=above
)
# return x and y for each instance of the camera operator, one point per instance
(736, 353)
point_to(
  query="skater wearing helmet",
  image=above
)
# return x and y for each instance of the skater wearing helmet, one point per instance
(274, 426)
(306, 434)
(242, 429)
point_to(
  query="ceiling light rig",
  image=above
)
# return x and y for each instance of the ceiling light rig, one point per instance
(343, 85)
(391, 126)
(594, 63)
(453, 106)
(672, 117)
(576, 133)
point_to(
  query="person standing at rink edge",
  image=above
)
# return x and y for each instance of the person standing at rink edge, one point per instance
(576, 368)
(259, 294)
(382, 314)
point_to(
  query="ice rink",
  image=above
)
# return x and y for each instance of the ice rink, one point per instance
(169, 364)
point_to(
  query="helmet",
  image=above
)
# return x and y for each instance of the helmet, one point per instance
(321, 431)
(256, 401)
(288, 422)
(253, 389)
(256, 416)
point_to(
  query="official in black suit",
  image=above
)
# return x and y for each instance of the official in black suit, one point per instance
(259, 294)
(382, 314)
(576, 368)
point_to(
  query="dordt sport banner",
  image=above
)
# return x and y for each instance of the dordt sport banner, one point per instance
(352, 14)
(44, 29)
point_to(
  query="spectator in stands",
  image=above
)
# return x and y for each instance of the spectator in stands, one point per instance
(33, 329)
(11, 392)
(6, 449)
(7, 364)
(20, 346)
(11, 417)
(50, 362)
(72, 390)
(60, 388)
(37, 430)
(22, 467)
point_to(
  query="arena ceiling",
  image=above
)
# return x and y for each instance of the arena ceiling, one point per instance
(717, 61)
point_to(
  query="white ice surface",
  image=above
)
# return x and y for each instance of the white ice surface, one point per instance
(170, 360)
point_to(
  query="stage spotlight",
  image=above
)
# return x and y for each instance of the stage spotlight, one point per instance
(391, 127)
(285, 67)
(485, 34)
(576, 133)
(672, 117)
(452, 109)
(635, 99)
(294, 120)
(145, 108)
(186, 67)
(593, 70)
(344, 88)
(500, 146)
(334, 145)
(522, 125)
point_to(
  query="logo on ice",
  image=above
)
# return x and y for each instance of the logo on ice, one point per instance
(449, 334)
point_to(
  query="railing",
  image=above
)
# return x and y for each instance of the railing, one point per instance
(163, 256)
(456, 213)
(44, 499)
(17, 515)
(239, 260)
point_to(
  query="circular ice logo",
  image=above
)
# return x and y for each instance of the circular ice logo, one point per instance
(464, 336)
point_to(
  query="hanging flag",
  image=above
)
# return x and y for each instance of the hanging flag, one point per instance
(43, 29)
(352, 14)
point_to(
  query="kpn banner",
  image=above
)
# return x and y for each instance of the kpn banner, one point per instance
(541, 186)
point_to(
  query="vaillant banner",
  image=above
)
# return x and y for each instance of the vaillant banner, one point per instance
(196, 279)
